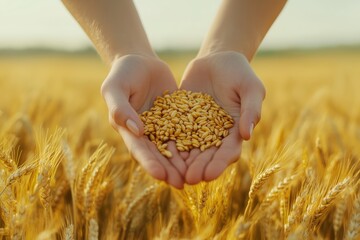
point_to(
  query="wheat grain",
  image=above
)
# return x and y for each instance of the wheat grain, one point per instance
(182, 116)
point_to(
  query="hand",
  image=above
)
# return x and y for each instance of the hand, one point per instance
(228, 77)
(130, 88)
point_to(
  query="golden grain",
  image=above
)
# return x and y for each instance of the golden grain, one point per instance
(189, 112)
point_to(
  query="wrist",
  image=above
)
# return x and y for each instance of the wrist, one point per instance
(132, 51)
(217, 46)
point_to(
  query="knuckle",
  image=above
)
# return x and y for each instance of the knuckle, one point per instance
(115, 115)
(257, 116)
(261, 89)
(104, 88)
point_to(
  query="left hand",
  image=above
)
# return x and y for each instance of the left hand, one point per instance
(228, 77)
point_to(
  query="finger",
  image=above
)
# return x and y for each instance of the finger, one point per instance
(121, 112)
(195, 171)
(184, 155)
(250, 115)
(141, 152)
(228, 152)
(174, 178)
(192, 156)
(176, 159)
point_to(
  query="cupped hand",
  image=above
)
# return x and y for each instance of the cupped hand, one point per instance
(230, 80)
(130, 88)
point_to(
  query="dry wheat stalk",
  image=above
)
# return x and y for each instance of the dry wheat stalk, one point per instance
(85, 171)
(104, 188)
(295, 214)
(203, 198)
(134, 204)
(7, 161)
(275, 191)
(93, 230)
(68, 162)
(327, 201)
(18, 173)
(4, 231)
(69, 232)
(339, 213)
(257, 184)
(242, 228)
(354, 225)
(61, 189)
(90, 189)
(135, 176)
(45, 190)
(261, 179)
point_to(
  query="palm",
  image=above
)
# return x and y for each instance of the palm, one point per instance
(224, 76)
(138, 81)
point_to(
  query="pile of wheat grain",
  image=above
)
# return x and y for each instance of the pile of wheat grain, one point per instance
(191, 119)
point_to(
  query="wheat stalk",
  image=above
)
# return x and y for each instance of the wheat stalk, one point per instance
(7, 161)
(261, 179)
(69, 232)
(275, 191)
(69, 162)
(18, 173)
(137, 201)
(257, 184)
(93, 230)
(354, 225)
(327, 201)
(296, 212)
(339, 214)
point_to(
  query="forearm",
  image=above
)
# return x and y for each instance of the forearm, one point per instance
(241, 25)
(113, 26)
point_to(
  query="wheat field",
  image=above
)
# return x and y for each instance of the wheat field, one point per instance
(65, 174)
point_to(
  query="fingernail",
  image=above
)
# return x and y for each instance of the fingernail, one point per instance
(251, 128)
(131, 125)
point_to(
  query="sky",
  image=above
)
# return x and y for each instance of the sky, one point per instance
(181, 24)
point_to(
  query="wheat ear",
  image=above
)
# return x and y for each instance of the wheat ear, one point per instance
(354, 226)
(327, 201)
(257, 184)
(137, 201)
(20, 172)
(93, 230)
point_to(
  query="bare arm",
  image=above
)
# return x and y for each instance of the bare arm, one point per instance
(222, 69)
(241, 25)
(113, 26)
(136, 78)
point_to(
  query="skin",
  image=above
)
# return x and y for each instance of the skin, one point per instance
(222, 69)
(137, 76)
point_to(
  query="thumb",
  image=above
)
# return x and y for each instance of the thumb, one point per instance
(121, 113)
(250, 113)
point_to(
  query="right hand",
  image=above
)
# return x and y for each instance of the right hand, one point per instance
(130, 88)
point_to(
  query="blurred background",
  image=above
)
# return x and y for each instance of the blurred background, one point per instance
(302, 24)
(44, 54)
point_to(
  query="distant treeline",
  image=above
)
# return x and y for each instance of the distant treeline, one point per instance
(90, 51)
